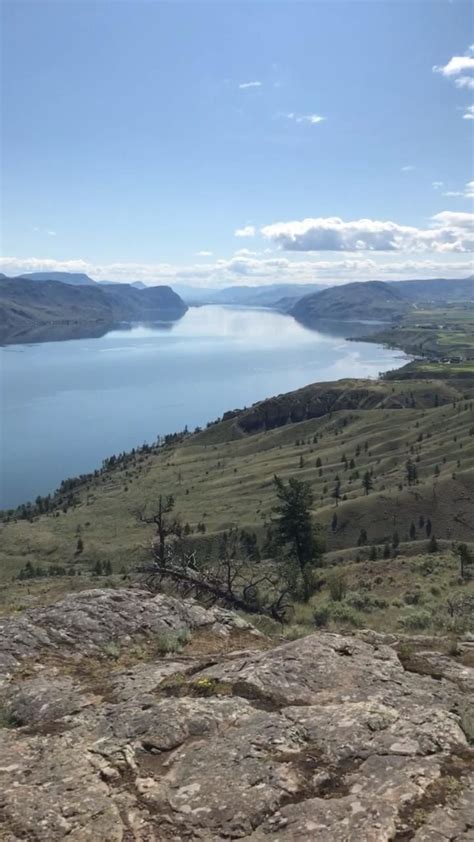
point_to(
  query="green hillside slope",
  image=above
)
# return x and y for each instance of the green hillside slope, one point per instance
(371, 300)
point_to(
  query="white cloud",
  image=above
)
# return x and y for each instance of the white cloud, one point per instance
(407, 168)
(312, 119)
(459, 70)
(448, 232)
(246, 231)
(245, 85)
(437, 185)
(456, 66)
(466, 193)
(469, 113)
(204, 254)
(251, 270)
(51, 233)
(465, 82)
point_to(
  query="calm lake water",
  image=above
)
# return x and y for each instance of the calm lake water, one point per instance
(67, 405)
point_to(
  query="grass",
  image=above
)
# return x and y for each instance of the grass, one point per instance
(442, 335)
(223, 477)
(230, 483)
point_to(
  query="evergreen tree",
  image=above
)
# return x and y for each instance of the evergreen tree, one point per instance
(294, 529)
(362, 539)
(432, 545)
(367, 482)
(466, 560)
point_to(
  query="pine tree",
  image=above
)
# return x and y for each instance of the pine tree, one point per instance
(294, 529)
(432, 545)
(367, 482)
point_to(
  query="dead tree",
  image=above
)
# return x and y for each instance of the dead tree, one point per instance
(165, 525)
(228, 582)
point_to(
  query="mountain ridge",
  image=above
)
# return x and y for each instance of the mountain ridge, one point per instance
(26, 304)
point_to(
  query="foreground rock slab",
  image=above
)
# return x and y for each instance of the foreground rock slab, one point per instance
(226, 737)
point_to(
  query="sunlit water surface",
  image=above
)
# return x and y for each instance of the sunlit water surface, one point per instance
(67, 405)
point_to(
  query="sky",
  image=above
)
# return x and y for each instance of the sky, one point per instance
(248, 142)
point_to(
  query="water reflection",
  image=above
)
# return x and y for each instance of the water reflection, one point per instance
(66, 405)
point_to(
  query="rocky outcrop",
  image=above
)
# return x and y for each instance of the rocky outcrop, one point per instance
(226, 737)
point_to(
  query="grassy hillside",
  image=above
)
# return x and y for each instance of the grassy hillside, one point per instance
(441, 336)
(330, 435)
(371, 300)
(222, 477)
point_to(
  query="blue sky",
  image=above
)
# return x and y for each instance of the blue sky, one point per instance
(334, 137)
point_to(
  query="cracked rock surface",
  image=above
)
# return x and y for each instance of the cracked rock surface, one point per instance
(228, 737)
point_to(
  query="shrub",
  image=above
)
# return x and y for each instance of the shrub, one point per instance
(297, 630)
(337, 585)
(171, 641)
(415, 619)
(365, 601)
(321, 615)
(413, 597)
(345, 614)
(111, 650)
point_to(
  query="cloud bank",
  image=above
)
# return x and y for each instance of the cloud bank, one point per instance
(249, 269)
(449, 232)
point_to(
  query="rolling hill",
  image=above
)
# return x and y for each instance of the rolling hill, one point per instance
(436, 289)
(370, 300)
(27, 305)
(327, 434)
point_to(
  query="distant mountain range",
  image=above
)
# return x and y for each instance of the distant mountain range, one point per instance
(246, 296)
(63, 298)
(436, 289)
(377, 300)
(26, 304)
(73, 278)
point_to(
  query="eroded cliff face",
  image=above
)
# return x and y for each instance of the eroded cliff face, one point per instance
(324, 738)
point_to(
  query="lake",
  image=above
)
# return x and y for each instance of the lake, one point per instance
(67, 405)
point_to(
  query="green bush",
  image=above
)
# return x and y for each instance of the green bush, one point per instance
(416, 619)
(413, 597)
(171, 641)
(342, 613)
(365, 601)
(337, 585)
(322, 615)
